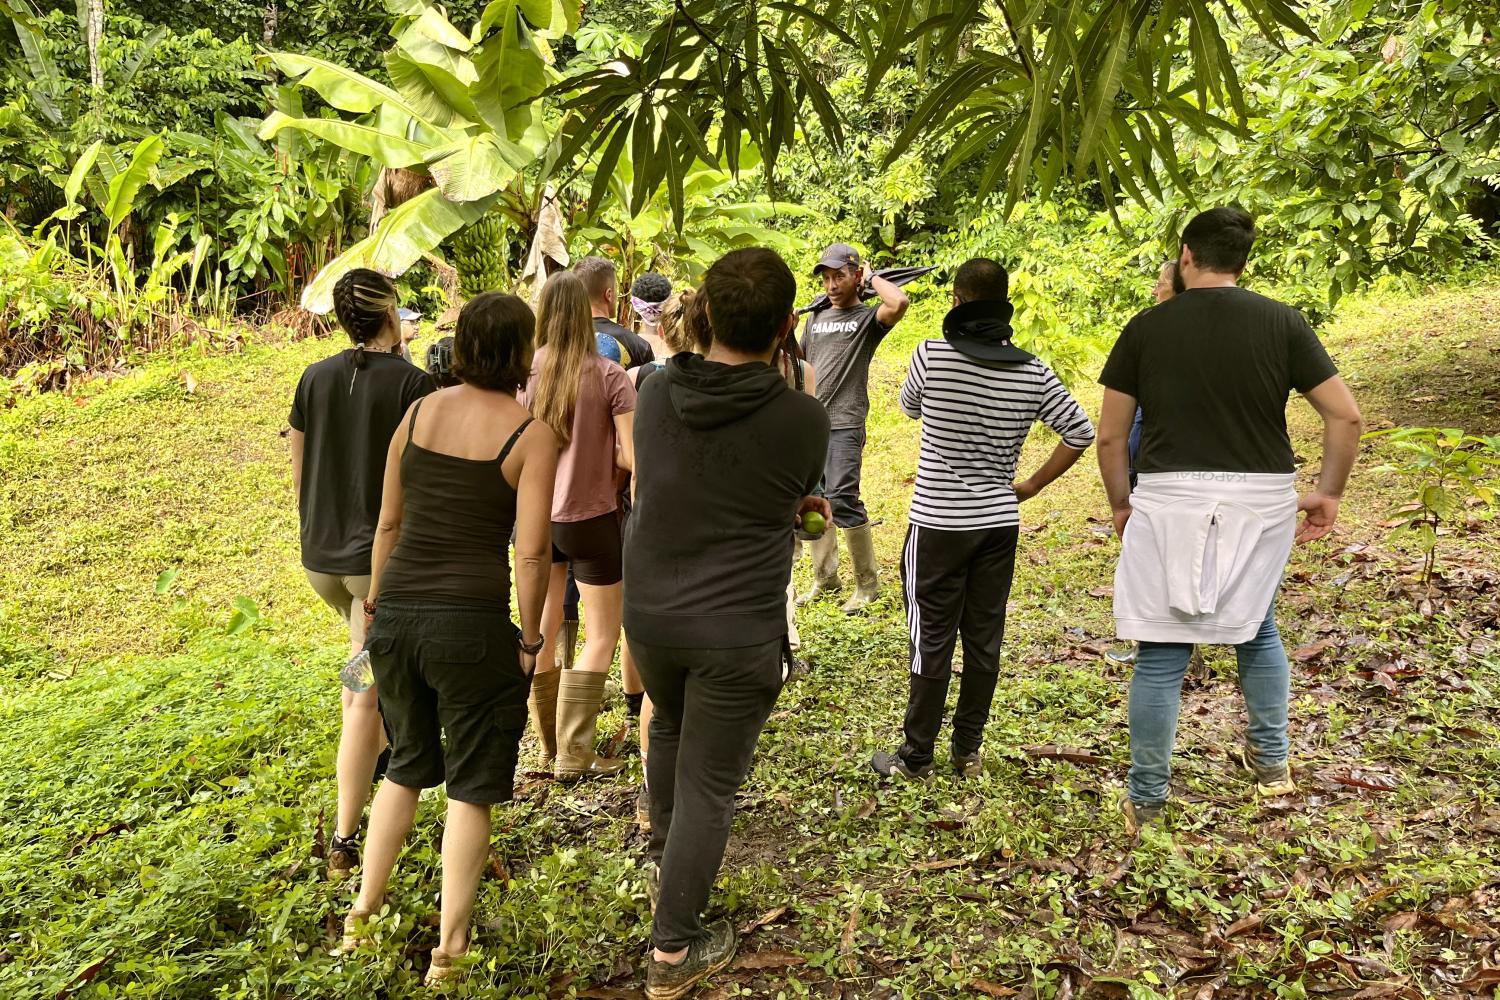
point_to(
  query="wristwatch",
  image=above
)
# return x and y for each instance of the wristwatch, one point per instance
(531, 648)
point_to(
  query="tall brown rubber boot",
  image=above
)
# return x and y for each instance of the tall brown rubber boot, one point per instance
(542, 703)
(578, 696)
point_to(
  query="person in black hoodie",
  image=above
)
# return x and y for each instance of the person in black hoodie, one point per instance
(729, 457)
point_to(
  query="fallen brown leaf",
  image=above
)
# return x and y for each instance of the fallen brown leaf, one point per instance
(1354, 781)
(1244, 925)
(1305, 654)
(1051, 751)
(990, 989)
(765, 919)
(769, 959)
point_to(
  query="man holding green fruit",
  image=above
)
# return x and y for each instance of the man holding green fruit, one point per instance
(728, 461)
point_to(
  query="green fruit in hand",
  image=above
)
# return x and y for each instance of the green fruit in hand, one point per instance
(813, 523)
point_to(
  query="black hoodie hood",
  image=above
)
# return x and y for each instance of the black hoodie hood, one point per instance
(707, 394)
(982, 330)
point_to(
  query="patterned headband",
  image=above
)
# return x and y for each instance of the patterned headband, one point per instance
(649, 312)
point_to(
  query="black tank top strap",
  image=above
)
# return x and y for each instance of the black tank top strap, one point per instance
(513, 439)
(411, 425)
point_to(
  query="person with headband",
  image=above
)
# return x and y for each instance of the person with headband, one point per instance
(648, 295)
(343, 415)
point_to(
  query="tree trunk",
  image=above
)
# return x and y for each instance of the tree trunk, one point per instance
(94, 33)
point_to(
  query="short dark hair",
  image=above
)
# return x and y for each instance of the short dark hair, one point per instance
(492, 345)
(750, 294)
(1220, 239)
(651, 287)
(981, 279)
(597, 275)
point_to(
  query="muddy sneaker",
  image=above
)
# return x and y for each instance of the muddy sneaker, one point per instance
(1270, 780)
(889, 765)
(1137, 816)
(665, 981)
(343, 857)
(968, 765)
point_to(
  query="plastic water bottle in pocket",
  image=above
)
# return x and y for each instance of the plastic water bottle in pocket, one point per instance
(357, 674)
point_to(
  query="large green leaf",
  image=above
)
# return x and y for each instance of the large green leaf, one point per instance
(384, 148)
(80, 170)
(125, 185)
(477, 167)
(406, 233)
(343, 88)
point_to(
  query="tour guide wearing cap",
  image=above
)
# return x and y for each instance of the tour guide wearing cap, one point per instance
(839, 341)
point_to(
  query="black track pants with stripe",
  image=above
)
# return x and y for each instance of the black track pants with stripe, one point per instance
(956, 584)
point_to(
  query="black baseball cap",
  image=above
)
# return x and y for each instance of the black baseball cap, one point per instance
(836, 256)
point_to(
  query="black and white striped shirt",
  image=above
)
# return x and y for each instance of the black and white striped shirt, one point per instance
(975, 417)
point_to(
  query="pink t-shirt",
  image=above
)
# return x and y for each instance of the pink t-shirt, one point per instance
(585, 484)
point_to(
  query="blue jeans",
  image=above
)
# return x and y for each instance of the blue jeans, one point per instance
(1156, 694)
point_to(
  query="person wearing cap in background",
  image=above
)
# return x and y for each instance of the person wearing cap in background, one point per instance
(977, 395)
(839, 341)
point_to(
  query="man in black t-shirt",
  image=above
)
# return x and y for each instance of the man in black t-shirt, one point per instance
(598, 275)
(1214, 512)
(839, 340)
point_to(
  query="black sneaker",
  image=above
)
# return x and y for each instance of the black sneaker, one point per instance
(889, 765)
(968, 765)
(665, 981)
(343, 857)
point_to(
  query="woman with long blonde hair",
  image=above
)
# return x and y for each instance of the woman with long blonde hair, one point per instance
(589, 403)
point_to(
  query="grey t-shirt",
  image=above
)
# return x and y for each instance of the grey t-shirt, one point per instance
(839, 344)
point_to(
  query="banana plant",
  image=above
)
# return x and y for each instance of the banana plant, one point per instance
(716, 219)
(464, 107)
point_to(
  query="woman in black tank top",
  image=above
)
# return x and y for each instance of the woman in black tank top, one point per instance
(467, 467)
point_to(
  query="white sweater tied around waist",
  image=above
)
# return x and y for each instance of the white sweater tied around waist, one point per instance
(1203, 554)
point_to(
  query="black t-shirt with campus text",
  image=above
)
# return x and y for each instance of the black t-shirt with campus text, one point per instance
(1212, 369)
(637, 351)
(839, 344)
(347, 416)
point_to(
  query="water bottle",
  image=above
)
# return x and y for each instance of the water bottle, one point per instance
(358, 675)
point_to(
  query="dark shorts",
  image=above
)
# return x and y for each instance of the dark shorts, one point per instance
(592, 546)
(453, 694)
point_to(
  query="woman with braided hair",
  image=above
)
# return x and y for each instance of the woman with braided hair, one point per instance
(343, 415)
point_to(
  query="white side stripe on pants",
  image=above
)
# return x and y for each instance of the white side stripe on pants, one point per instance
(914, 610)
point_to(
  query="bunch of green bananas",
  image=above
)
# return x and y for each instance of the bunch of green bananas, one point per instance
(479, 255)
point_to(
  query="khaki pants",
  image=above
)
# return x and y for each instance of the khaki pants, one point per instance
(341, 593)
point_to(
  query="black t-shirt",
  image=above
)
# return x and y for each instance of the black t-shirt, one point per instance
(1211, 369)
(347, 416)
(633, 344)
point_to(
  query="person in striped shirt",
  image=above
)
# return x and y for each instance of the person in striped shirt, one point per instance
(977, 395)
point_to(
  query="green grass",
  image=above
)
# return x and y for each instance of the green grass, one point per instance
(166, 786)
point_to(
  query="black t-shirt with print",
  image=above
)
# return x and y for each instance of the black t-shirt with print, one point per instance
(1211, 369)
(347, 416)
(637, 351)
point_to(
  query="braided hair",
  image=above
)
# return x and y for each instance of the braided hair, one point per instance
(362, 302)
